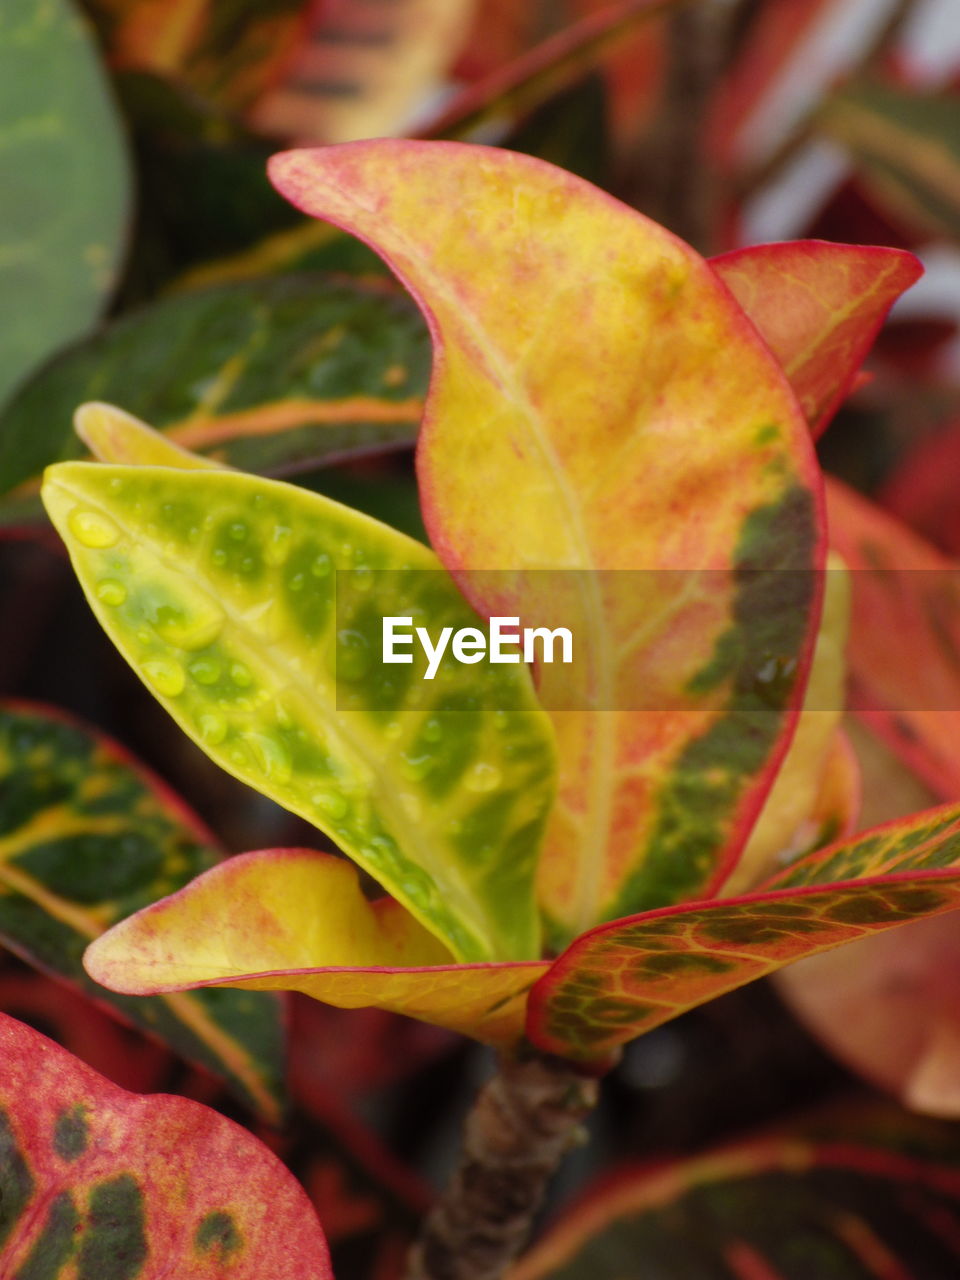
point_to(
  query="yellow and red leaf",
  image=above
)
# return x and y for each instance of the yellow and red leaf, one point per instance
(95, 1181)
(583, 358)
(295, 920)
(819, 307)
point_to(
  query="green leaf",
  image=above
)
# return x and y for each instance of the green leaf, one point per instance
(99, 1182)
(906, 147)
(272, 376)
(87, 836)
(820, 1203)
(65, 184)
(240, 601)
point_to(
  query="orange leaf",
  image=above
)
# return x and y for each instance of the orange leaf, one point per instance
(819, 307)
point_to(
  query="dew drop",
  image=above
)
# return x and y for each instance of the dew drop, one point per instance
(241, 675)
(237, 531)
(278, 548)
(482, 777)
(321, 565)
(501, 719)
(330, 804)
(191, 625)
(247, 564)
(393, 730)
(432, 731)
(362, 578)
(353, 655)
(271, 756)
(166, 676)
(296, 583)
(416, 767)
(205, 670)
(92, 529)
(212, 727)
(111, 592)
(218, 556)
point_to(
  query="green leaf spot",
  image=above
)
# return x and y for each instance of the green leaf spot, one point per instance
(219, 1232)
(72, 1134)
(115, 1246)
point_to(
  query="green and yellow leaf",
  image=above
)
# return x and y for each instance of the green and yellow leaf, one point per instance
(58, 256)
(95, 1181)
(818, 306)
(295, 920)
(584, 358)
(271, 376)
(252, 609)
(624, 978)
(86, 837)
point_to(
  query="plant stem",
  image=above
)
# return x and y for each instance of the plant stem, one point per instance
(523, 1122)
(683, 194)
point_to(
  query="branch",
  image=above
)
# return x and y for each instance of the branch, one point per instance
(523, 1122)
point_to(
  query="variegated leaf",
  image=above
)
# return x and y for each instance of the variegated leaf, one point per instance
(584, 358)
(98, 1182)
(253, 611)
(624, 978)
(86, 837)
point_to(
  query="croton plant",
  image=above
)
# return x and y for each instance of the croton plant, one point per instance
(615, 426)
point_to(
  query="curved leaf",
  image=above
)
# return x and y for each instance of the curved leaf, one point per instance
(793, 1206)
(584, 359)
(294, 920)
(63, 174)
(627, 977)
(95, 1181)
(269, 376)
(86, 837)
(240, 602)
(819, 307)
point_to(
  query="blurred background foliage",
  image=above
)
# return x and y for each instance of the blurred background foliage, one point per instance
(145, 260)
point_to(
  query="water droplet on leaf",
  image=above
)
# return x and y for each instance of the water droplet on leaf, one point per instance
(92, 529)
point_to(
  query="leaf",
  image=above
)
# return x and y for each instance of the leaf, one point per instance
(798, 1204)
(87, 836)
(362, 73)
(625, 978)
(252, 609)
(818, 307)
(591, 403)
(95, 1181)
(294, 920)
(272, 376)
(906, 147)
(905, 637)
(784, 823)
(59, 253)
